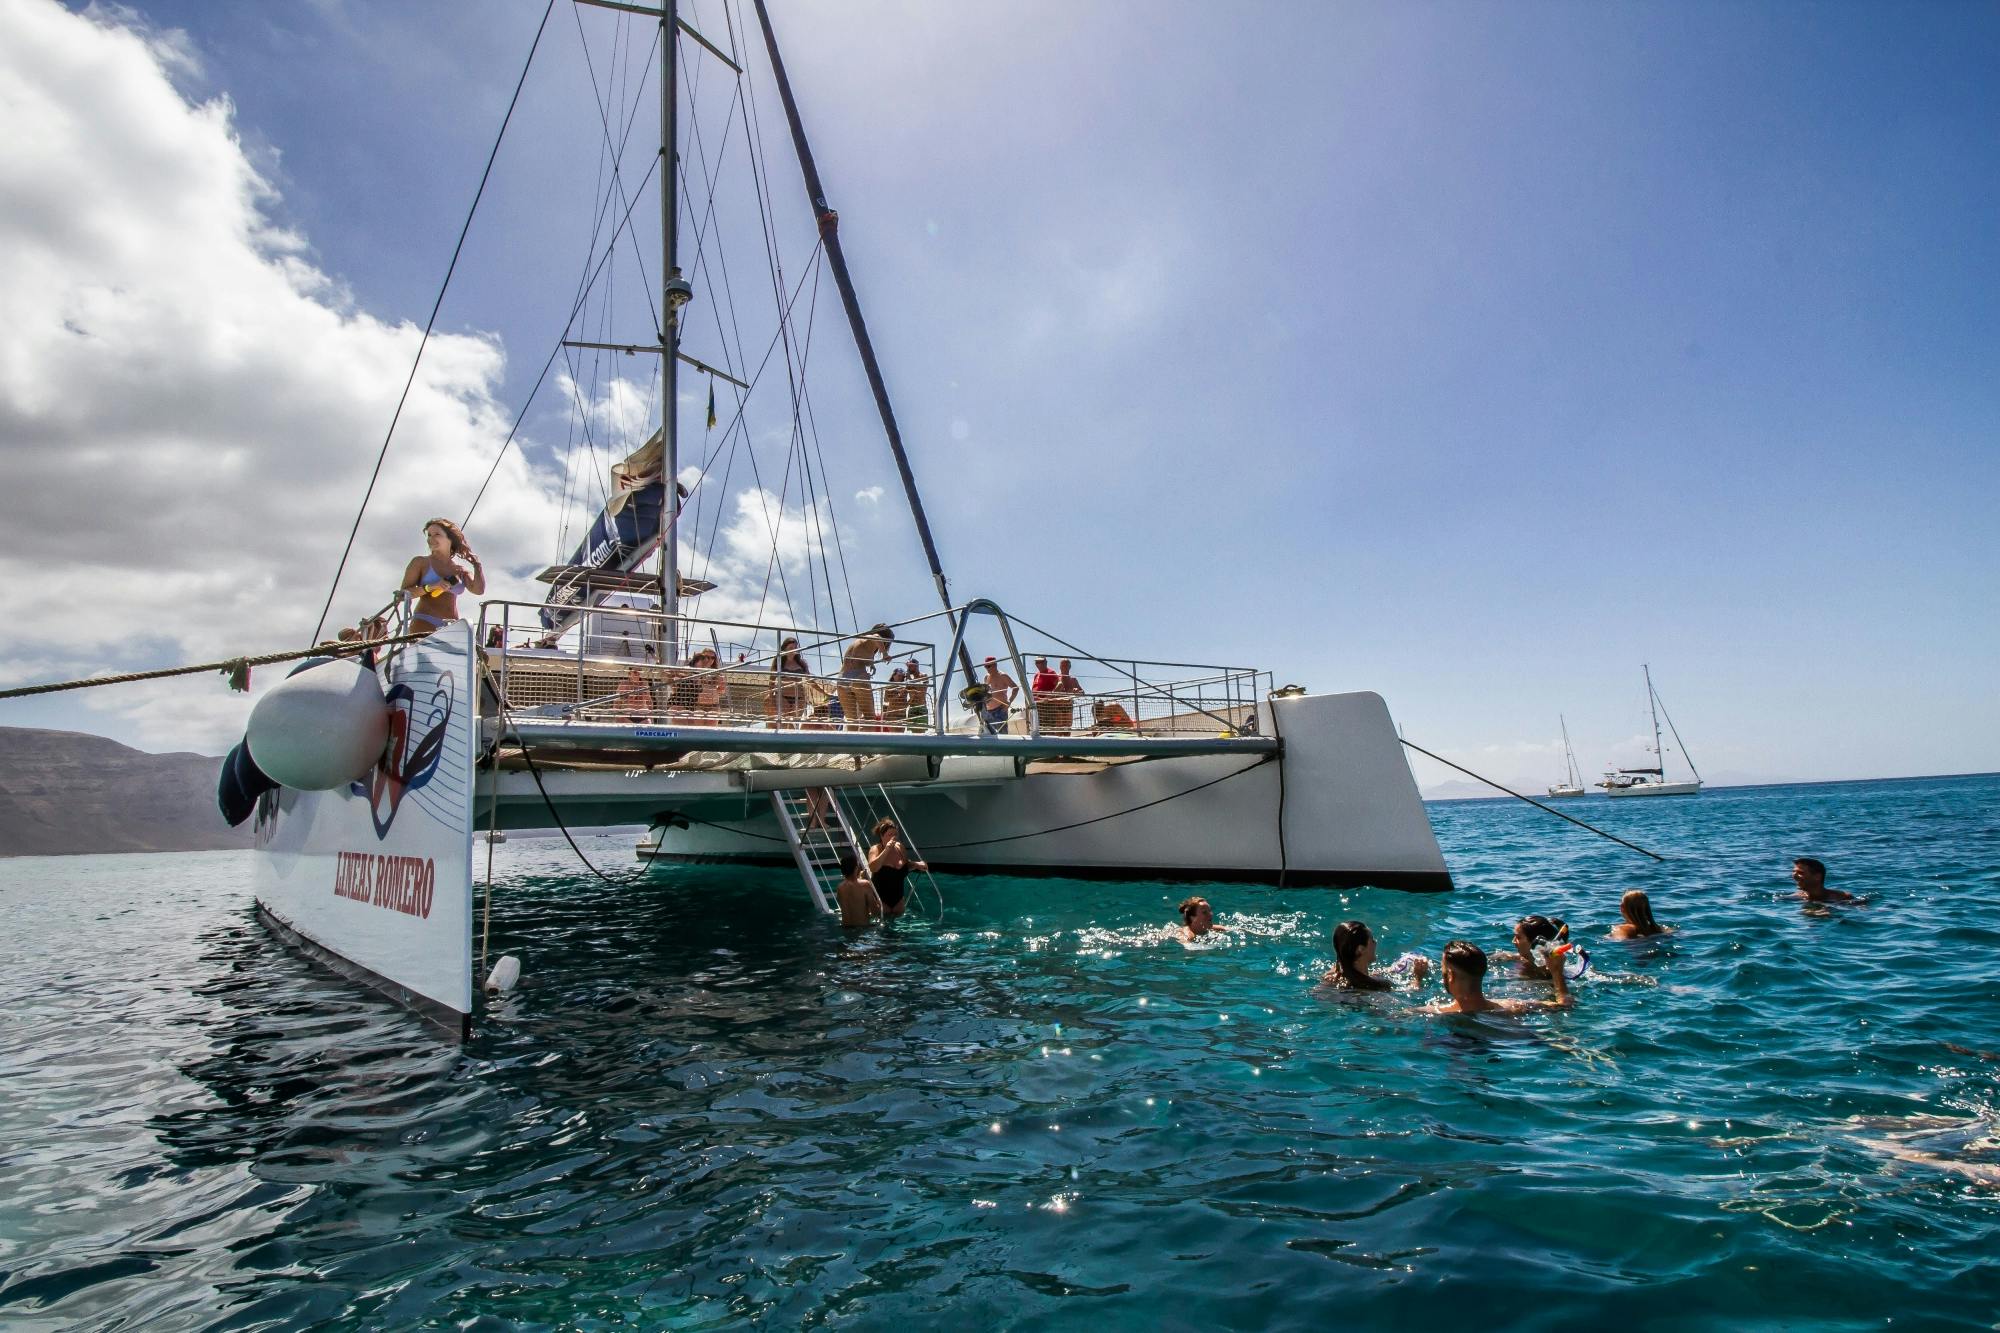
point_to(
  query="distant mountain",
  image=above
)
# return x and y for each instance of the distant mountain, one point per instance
(64, 792)
(1458, 789)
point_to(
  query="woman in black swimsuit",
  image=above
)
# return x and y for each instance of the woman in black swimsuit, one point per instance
(889, 865)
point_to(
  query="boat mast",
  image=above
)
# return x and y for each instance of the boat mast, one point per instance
(829, 231)
(1569, 755)
(674, 293)
(1653, 703)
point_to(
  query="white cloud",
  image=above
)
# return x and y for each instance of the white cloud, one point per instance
(869, 494)
(189, 408)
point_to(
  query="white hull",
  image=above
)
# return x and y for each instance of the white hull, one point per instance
(1351, 812)
(1656, 789)
(1564, 793)
(377, 878)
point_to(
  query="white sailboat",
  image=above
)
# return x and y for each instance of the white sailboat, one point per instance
(1653, 781)
(1572, 783)
(601, 716)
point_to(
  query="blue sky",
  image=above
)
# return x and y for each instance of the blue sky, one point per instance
(1471, 354)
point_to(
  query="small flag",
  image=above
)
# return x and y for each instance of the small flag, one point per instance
(711, 404)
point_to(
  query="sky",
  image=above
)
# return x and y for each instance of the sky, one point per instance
(1472, 354)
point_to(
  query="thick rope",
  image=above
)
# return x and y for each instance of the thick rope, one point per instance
(331, 648)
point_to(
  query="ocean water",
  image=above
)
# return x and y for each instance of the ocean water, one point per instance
(707, 1108)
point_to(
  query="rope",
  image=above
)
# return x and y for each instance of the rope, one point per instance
(235, 664)
(1532, 801)
(431, 323)
(1085, 823)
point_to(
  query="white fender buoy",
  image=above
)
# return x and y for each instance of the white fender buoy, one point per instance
(320, 728)
(506, 975)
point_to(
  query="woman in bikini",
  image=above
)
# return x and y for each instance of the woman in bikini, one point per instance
(434, 581)
(789, 673)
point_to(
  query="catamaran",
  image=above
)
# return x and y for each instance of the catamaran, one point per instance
(755, 738)
(1572, 783)
(1653, 781)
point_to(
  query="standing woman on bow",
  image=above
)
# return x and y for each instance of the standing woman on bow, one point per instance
(434, 580)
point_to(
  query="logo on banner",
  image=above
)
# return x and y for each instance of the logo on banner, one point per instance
(410, 759)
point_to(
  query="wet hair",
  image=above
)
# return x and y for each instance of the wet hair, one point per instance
(1465, 957)
(1812, 863)
(1636, 908)
(882, 630)
(882, 826)
(1349, 939)
(848, 861)
(1188, 905)
(1539, 929)
(451, 533)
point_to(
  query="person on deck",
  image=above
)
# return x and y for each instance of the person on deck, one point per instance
(635, 695)
(895, 704)
(709, 686)
(916, 697)
(1042, 692)
(857, 665)
(859, 903)
(1067, 689)
(434, 580)
(789, 674)
(1809, 873)
(1000, 691)
(889, 866)
(1464, 973)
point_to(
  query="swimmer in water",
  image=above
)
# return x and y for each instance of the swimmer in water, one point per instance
(859, 903)
(1638, 924)
(1354, 954)
(1464, 974)
(1809, 873)
(1529, 932)
(1197, 920)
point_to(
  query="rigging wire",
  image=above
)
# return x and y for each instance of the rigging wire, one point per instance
(554, 351)
(431, 323)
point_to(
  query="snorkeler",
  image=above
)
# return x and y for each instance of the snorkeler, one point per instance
(1530, 933)
(1354, 954)
(1638, 924)
(1809, 873)
(859, 903)
(1464, 974)
(1197, 920)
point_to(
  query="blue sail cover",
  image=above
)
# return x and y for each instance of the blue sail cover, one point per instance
(615, 541)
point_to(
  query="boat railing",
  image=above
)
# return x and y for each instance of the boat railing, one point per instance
(608, 666)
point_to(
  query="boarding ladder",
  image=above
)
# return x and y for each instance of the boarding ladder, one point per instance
(816, 849)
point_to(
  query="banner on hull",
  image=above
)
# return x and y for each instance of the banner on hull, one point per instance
(379, 874)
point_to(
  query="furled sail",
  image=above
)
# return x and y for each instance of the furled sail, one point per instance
(624, 533)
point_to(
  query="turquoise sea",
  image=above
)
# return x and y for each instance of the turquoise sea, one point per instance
(706, 1108)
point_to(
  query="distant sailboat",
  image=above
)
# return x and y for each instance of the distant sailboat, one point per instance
(1653, 781)
(1572, 783)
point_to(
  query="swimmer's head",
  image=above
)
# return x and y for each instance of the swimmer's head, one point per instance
(1534, 930)
(1465, 962)
(848, 863)
(1197, 914)
(1353, 949)
(1809, 870)
(1637, 909)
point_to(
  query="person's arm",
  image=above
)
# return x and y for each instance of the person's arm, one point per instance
(1420, 971)
(475, 582)
(413, 575)
(1562, 1000)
